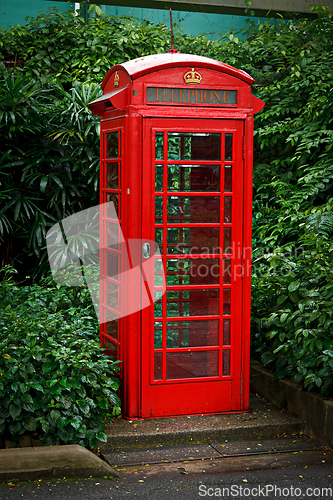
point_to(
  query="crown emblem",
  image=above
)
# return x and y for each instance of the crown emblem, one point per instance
(192, 77)
(116, 79)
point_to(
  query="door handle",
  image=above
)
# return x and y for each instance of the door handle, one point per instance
(146, 250)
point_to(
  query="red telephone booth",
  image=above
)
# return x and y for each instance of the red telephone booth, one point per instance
(176, 160)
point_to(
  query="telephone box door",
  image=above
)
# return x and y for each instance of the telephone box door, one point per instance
(192, 207)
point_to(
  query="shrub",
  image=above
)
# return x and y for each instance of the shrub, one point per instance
(54, 378)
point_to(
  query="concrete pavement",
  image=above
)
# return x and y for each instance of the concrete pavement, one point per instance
(265, 421)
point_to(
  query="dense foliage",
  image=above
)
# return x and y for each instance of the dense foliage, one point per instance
(54, 380)
(49, 158)
(293, 286)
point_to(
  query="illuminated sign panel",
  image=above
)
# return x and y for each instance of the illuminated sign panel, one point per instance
(165, 95)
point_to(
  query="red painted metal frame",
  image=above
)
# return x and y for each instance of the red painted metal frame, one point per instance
(124, 107)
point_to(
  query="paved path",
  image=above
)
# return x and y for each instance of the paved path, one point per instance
(286, 483)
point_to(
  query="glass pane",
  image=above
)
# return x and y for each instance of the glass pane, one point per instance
(179, 146)
(227, 209)
(206, 147)
(226, 332)
(111, 265)
(193, 240)
(158, 208)
(193, 209)
(227, 240)
(159, 145)
(182, 365)
(159, 178)
(112, 235)
(199, 146)
(158, 366)
(192, 303)
(192, 333)
(112, 329)
(228, 179)
(112, 145)
(226, 362)
(112, 290)
(159, 238)
(192, 271)
(227, 271)
(228, 147)
(158, 305)
(114, 198)
(158, 278)
(111, 349)
(226, 301)
(110, 315)
(158, 335)
(193, 177)
(112, 175)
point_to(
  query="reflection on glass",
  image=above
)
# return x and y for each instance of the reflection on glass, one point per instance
(192, 271)
(177, 334)
(192, 302)
(159, 238)
(193, 209)
(226, 301)
(158, 208)
(226, 362)
(227, 271)
(110, 315)
(158, 335)
(158, 278)
(192, 333)
(179, 146)
(111, 349)
(114, 198)
(112, 295)
(228, 147)
(158, 304)
(196, 146)
(158, 366)
(194, 240)
(228, 178)
(226, 332)
(111, 265)
(112, 329)
(158, 177)
(227, 240)
(159, 145)
(195, 364)
(112, 145)
(112, 175)
(193, 177)
(112, 235)
(227, 209)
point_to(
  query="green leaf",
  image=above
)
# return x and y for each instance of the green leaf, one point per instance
(294, 285)
(281, 299)
(61, 422)
(30, 424)
(43, 183)
(48, 366)
(101, 436)
(14, 411)
(37, 386)
(15, 428)
(283, 317)
(27, 402)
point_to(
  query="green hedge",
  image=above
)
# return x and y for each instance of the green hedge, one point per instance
(54, 378)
